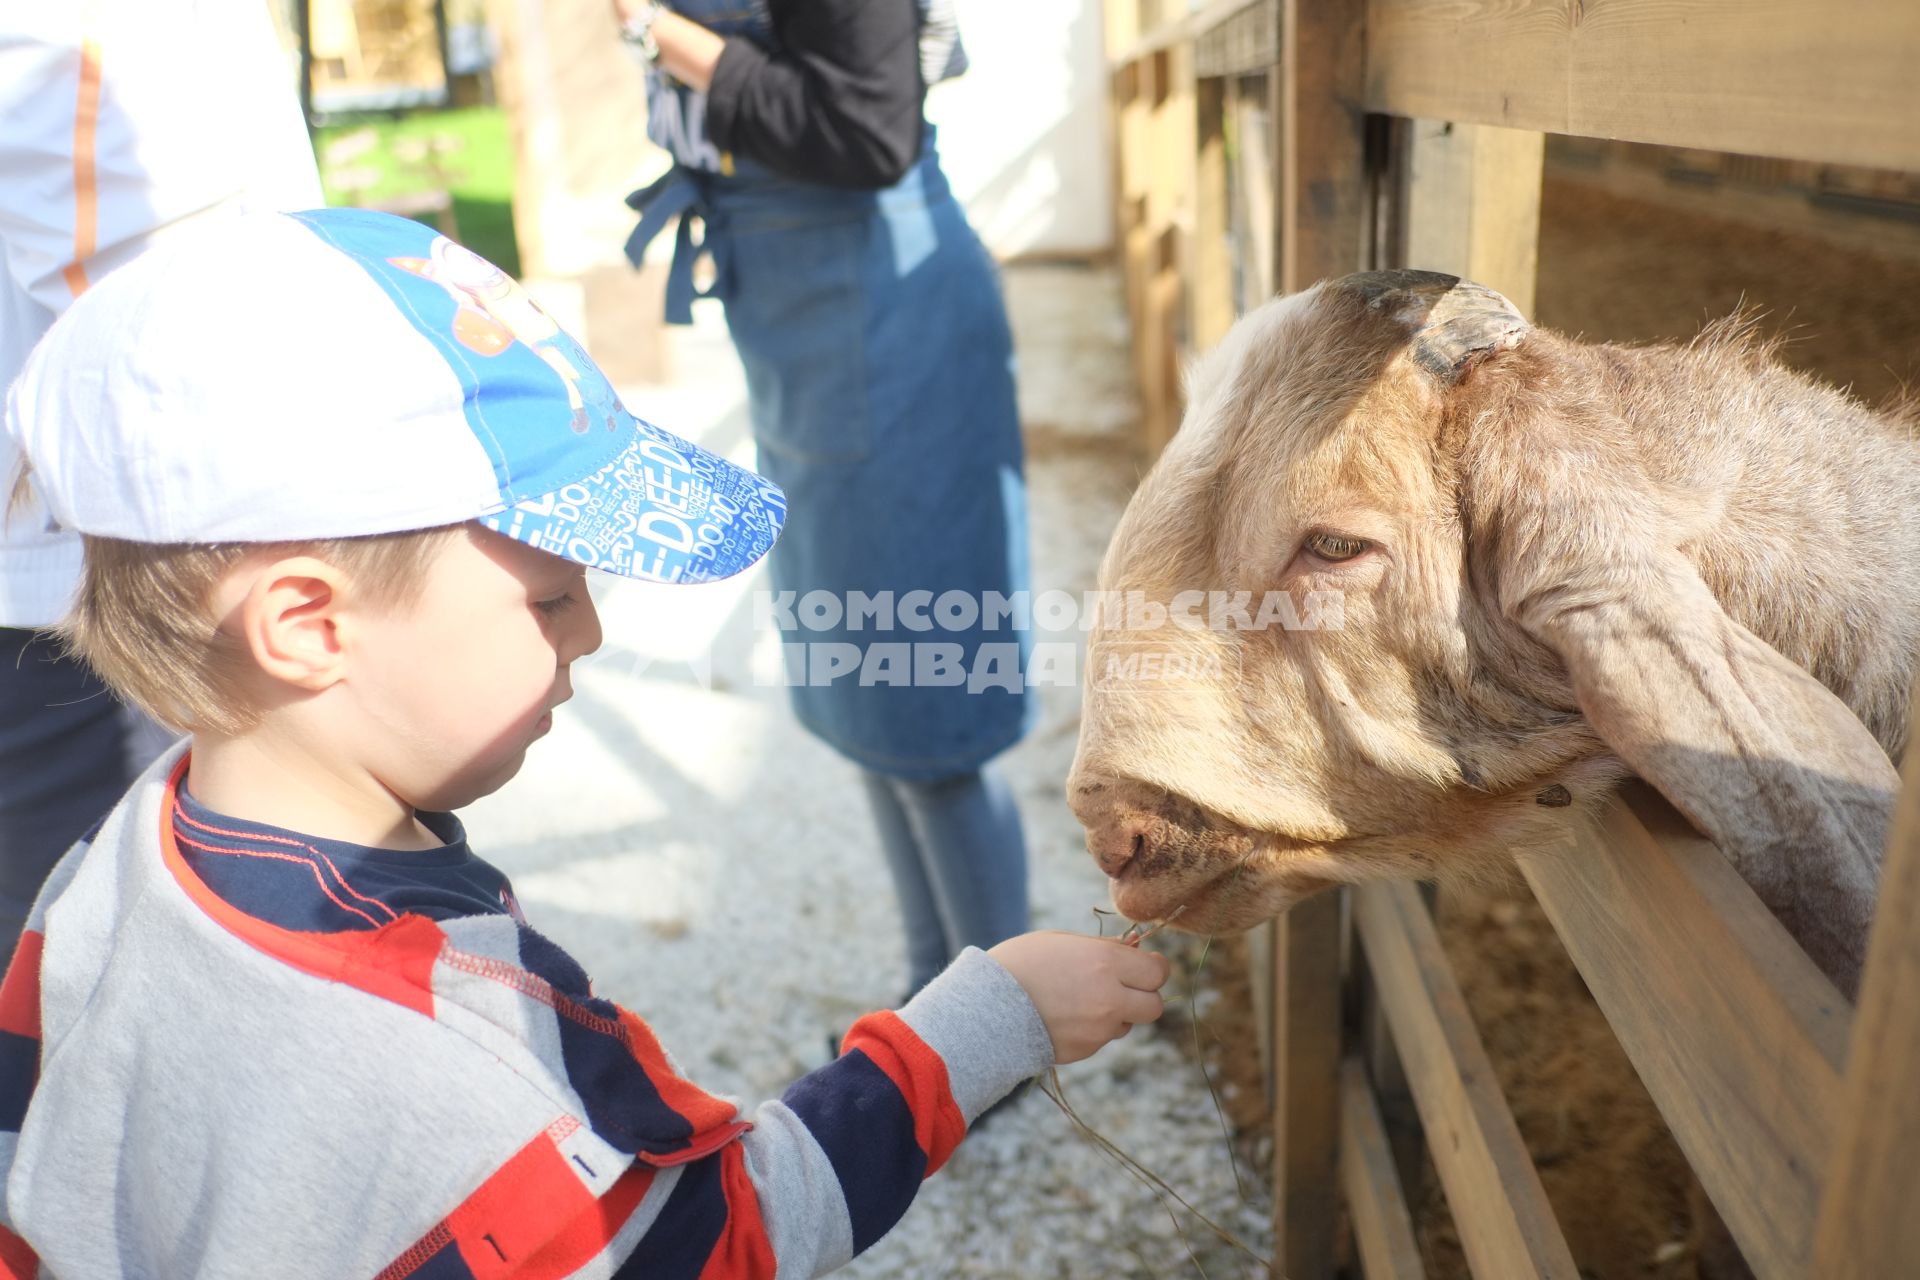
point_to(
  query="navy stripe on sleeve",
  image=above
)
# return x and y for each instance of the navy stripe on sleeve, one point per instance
(447, 1264)
(19, 1072)
(866, 1128)
(623, 1104)
(683, 1237)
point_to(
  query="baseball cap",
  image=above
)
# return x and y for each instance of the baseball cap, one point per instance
(269, 377)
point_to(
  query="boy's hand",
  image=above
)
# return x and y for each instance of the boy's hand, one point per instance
(1088, 990)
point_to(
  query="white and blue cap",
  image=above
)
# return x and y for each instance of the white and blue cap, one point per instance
(267, 377)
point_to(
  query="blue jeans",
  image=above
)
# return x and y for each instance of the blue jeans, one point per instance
(64, 762)
(959, 863)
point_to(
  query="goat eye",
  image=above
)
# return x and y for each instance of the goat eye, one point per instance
(1333, 547)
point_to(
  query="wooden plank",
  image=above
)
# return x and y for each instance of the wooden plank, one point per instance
(1473, 205)
(1254, 190)
(1245, 41)
(1154, 143)
(1120, 28)
(1506, 1226)
(1321, 152)
(1738, 1038)
(1306, 1056)
(1160, 392)
(1386, 1075)
(1170, 182)
(1148, 39)
(1170, 146)
(1829, 80)
(1382, 1227)
(1260, 962)
(1211, 297)
(1133, 114)
(1870, 1211)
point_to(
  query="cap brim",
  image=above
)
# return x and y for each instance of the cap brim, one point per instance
(662, 510)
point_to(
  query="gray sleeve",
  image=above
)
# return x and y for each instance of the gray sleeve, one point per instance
(978, 1018)
(836, 1161)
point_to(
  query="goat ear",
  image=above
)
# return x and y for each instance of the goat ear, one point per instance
(1759, 755)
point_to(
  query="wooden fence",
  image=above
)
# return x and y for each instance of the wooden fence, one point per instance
(1264, 145)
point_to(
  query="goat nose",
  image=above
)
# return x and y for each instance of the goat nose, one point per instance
(1116, 843)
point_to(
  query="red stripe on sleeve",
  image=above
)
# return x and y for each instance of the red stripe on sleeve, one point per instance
(516, 1218)
(20, 993)
(17, 1259)
(921, 1076)
(744, 1252)
(517, 1211)
(706, 1113)
(590, 1233)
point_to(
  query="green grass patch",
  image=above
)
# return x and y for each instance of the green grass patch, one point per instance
(466, 152)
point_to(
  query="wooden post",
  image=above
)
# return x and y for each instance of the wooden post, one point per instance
(577, 105)
(1131, 96)
(1473, 205)
(1169, 163)
(1211, 297)
(303, 19)
(1320, 160)
(1255, 128)
(1870, 1210)
(1321, 156)
(1306, 1068)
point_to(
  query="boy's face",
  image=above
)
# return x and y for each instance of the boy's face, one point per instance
(455, 686)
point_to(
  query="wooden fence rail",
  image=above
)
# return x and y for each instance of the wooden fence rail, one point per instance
(1739, 1039)
(1265, 144)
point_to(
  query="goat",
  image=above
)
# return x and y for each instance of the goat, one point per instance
(1557, 562)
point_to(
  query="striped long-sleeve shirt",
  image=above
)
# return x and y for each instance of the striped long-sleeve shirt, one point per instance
(227, 1050)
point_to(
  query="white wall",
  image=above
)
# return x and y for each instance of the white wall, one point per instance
(1023, 134)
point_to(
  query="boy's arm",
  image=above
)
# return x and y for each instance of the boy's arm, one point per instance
(792, 1190)
(827, 1170)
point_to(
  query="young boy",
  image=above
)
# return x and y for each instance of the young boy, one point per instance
(340, 482)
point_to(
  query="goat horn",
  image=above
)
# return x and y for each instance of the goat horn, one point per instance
(1455, 319)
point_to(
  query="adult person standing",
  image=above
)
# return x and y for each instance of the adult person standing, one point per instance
(869, 320)
(120, 121)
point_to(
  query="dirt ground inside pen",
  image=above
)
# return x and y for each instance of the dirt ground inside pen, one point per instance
(1633, 268)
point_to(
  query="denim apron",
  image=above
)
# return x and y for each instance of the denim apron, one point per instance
(880, 383)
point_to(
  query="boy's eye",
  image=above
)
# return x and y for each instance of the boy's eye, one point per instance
(556, 606)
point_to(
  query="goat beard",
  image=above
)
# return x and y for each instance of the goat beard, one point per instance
(1208, 883)
(1227, 879)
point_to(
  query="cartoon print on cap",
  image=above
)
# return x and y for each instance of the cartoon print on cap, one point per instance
(492, 311)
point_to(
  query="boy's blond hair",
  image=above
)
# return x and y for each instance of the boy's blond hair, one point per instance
(144, 617)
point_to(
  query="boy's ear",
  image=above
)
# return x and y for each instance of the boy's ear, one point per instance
(290, 622)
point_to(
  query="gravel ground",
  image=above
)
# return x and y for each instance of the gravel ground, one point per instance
(715, 869)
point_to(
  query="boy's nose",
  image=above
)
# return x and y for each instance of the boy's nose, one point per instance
(584, 636)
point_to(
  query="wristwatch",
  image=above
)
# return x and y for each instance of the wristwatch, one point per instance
(637, 30)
